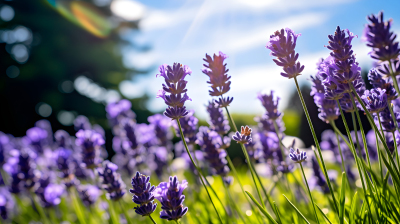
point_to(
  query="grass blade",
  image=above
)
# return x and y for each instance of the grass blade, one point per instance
(353, 208)
(342, 198)
(298, 212)
(261, 208)
(323, 214)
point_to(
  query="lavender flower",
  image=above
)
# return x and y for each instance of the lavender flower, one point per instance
(112, 181)
(174, 85)
(143, 194)
(22, 170)
(375, 100)
(244, 136)
(189, 126)
(267, 125)
(82, 123)
(119, 110)
(63, 139)
(387, 70)
(387, 121)
(378, 81)
(64, 162)
(217, 121)
(318, 178)
(270, 105)
(329, 142)
(378, 36)
(171, 197)
(161, 125)
(269, 142)
(89, 142)
(89, 194)
(4, 147)
(6, 203)
(52, 194)
(211, 143)
(36, 137)
(282, 47)
(297, 156)
(216, 70)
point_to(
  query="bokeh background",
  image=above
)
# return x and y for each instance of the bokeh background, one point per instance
(62, 58)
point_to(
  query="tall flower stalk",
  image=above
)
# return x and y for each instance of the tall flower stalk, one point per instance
(215, 69)
(174, 95)
(283, 48)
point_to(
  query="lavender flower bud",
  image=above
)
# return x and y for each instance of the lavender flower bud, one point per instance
(89, 194)
(82, 123)
(89, 142)
(297, 156)
(216, 70)
(244, 136)
(211, 143)
(52, 194)
(22, 170)
(175, 86)
(386, 120)
(378, 81)
(378, 36)
(112, 181)
(171, 197)
(217, 121)
(270, 105)
(161, 125)
(375, 100)
(282, 47)
(189, 126)
(64, 162)
(143, 194)
(36, 137)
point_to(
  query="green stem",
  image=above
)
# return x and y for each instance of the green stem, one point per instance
(128, 219)
(324, 170)
(198, 169)
(113, 216)
(353, 118)
(53, 216)
(340, 149)
(392, 114)
(248, 161)
(339, 133)
(39, 209)
(396, 151)
(216, 195)
(241, 185)
(231, 202)
(396, 86)
(362, 130)
(77, 206)
(153, 219)
(353, 150)
(277, 135)
(309, 192)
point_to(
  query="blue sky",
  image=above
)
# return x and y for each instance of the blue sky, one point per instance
(184, 31)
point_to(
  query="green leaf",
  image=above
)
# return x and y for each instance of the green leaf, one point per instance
(395, 177)
(278, 215)
(298, 212)
(342, 198)
(261, 208)
(353, 208)
(323, 214)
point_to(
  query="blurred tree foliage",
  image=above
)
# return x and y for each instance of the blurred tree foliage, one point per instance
(60, 50)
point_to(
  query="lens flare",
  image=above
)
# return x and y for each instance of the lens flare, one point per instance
(84, 15)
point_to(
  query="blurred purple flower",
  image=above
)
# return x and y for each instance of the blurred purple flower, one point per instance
(89, 142)
(111, 181)
(36, 137)
(210, 142)
(89, 194)
(218, 122)
(270, 105)
(189, 126)
(6, 203)
(161, 125)
(52, 194)
(81, 122)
